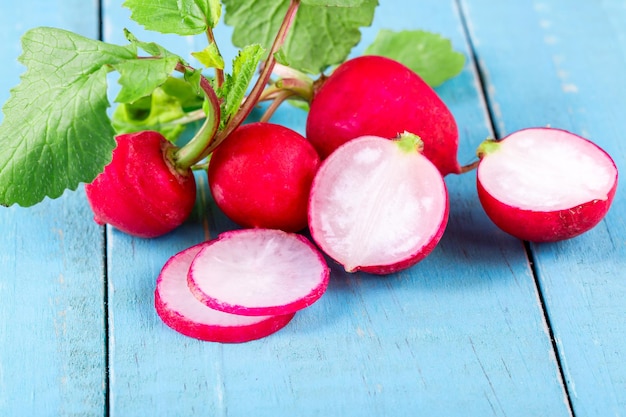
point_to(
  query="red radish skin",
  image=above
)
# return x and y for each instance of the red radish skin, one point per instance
(139, 192)
(255, 272)
(377, 206)
(374, 95)
(545, 184)
(180, 310)
(260, 176)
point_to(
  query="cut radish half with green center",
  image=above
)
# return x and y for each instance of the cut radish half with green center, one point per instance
(378, 205)
(258, 272)
(180, 310)
(544, 184)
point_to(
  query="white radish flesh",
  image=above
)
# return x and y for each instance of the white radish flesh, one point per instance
(545, 184)
(377, 206)
(259, 272)
(546, 169)
(180, 310)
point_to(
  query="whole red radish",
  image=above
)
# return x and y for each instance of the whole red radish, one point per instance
(140, 192)
(544, 184)
(378, 205)
(258, 271)
(260, 176)
(180, 310)
(374, 95)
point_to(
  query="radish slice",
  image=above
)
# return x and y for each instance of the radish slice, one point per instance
(545, 184)
(377, 205)
(180, 310)
(258, 272)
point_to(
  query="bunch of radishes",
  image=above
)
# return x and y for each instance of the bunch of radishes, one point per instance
(364, 187)
(367, 183)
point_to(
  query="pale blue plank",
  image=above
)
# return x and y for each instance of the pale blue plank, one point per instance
(52, 339)
(52, 359)
(561, 63)
(460, 334)
(16, 18)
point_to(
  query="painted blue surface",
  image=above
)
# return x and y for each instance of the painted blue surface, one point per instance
(570, 75)
(465, 332)
(52, 322)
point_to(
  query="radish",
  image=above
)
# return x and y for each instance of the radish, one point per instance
(261, 175)
(258, 272)
(180, 310)
(378, 205)
(140, 192)
(374, 95)
(545, 184)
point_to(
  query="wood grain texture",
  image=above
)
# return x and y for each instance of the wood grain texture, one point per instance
(52, 338)
(462, 333)
(52, 360)
(561, 63)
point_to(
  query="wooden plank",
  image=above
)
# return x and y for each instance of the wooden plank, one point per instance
(52, 338)
(460, 334)
(52, 350)
(560, 62)
(16, 18)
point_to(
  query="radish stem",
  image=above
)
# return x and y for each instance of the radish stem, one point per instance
(301, 88)
(194, 151)
(219, 73)
(469, 167)
(264, 77)
(208, 137)
(276, 102)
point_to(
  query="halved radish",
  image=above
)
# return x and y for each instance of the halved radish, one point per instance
(545, 184)
(378, 205)
(258, 272)
(180, 310)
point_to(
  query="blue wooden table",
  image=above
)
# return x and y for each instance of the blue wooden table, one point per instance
(486, 325)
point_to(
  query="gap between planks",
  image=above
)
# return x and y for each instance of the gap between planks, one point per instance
(483, 85)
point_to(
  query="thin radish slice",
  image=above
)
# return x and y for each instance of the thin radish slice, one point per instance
(180, 310)
(545, 184)
(378, 205)
(258, 272)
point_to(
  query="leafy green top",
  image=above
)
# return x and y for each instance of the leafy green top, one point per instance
(190, 17)
(428, 54)
(56, 132)
(322, 36)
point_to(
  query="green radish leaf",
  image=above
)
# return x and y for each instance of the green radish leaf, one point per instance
(153, 49)
(190, 17)
(159, 112)
(213, 10)
(321, 36)
(190, 96)
(282, 58)
(236, 84)
(140, 77)
(193, 79)
(164, 111)
(428, 54)
(300, 104)
(56, 132)
(210, 57)
(334, 3)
